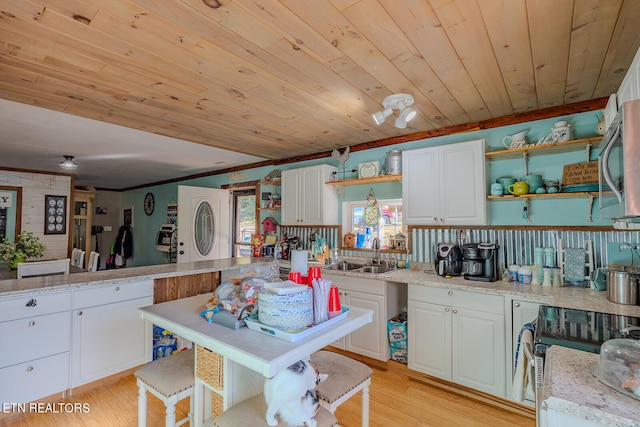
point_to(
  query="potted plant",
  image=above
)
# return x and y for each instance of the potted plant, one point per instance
(27, 246)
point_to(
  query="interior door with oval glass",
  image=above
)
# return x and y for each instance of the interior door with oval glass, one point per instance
(203, 223)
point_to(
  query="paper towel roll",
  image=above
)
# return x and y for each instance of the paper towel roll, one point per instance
(299, 261)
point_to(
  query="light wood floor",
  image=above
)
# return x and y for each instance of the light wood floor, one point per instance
(395, 400)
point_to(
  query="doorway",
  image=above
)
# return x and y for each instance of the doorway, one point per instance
(10, 212)
(205, 233)
(244, 220)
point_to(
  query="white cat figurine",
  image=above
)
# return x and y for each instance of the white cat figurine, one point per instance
(290, 394)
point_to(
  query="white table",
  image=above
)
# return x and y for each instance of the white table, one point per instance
(243, 349)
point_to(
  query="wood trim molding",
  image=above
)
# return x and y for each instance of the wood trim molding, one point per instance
(578, 107)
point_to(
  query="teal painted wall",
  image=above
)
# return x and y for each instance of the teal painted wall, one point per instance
(549, 212)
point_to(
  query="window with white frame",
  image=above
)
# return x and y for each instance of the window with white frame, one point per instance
(389, 225)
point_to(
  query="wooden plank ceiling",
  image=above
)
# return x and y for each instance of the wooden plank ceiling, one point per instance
(279, 79)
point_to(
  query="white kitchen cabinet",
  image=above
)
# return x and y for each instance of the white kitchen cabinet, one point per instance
(630, 87)
(385, 299)
(306, 200)
(34, 357)
(457, 336)
(108, 334)
(444, 185)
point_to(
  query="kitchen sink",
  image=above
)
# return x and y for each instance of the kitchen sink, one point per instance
(346, 266)
(374, 269)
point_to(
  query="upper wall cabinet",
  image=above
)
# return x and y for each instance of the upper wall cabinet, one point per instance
(305, 198)
(630, 86)
(444, 185)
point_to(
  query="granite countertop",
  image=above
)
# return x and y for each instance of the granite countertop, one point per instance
(567, 296)
(17, 287)
(571, 388)
(420, 274)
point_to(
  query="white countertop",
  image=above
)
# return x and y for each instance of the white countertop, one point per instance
(572, 389)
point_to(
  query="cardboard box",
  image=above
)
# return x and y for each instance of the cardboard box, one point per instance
(580, 173)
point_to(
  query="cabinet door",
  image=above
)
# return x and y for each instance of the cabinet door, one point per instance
(462, 182)
(627, 89)
(420, 186)
(312, 186)
(429, 339)
(108, 339)
(291, 202)
(368, 340)
(478, 350)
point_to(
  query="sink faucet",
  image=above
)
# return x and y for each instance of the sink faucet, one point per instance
(375, 244)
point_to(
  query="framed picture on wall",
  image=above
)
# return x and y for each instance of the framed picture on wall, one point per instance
(127, 216)
(55, 214)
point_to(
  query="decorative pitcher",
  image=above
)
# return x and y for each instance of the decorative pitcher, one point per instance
(561, 131)
(516, 140)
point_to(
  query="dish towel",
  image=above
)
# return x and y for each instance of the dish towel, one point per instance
(523, 371)
(574, 264)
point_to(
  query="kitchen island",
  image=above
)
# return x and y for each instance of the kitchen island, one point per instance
(245, 352)
(74, 300)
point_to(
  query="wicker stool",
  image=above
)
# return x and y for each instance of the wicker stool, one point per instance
(170, 379)
(252, 412)
(346, 378)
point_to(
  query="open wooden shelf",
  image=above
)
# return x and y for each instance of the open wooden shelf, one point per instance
(545, 195)
(558, 147)
(366, 181)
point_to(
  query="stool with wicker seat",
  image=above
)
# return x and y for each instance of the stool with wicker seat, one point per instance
(346, 377)
(170, 379)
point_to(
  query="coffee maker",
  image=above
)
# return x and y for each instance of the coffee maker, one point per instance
(448, 260)
(480, 261)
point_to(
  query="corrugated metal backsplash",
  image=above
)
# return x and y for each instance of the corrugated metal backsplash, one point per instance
(516, 246)
(331, 234)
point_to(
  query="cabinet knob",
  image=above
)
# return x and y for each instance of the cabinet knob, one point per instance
(450, 293)
(30, 368)
(32, 303)
(454, 311)
(181, 243)
(32, 323)
(446, 310)
(181, 252)
(117, 288)
(79, 313)
(517, 304)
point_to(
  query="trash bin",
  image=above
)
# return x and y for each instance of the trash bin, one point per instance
(397, 328)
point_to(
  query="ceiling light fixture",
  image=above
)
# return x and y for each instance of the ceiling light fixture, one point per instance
(68, 163)
(400, 101)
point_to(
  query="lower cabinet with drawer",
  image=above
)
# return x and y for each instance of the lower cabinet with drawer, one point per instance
(458, 336)
(385, 299)
(34, 355)
(108, 334)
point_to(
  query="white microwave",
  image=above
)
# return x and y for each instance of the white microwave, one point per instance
(619, 168)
